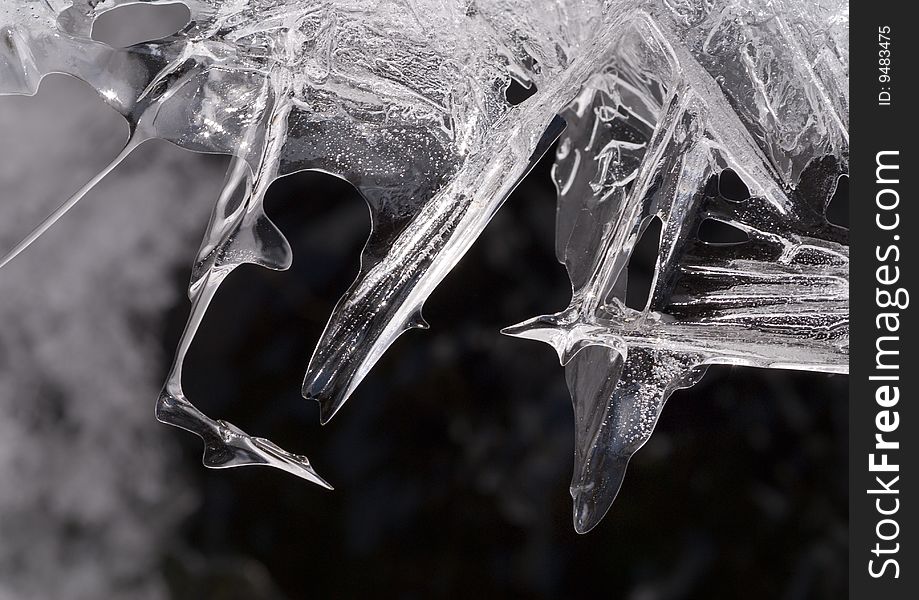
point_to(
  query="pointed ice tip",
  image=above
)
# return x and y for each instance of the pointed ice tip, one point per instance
(585, 513)
(313, 477)
(594, 491)
(417, 321)
(327, 409)
(11, 255)
(322, 482)
(549, 329)
(226, 445)
(511, 330)
(532, 329)
(317, 386)
(328, 405)
(133, 142)
(520, 329)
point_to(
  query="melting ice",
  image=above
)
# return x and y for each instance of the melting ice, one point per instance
(405, 99)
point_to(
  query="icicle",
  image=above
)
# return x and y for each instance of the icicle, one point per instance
(133, 142)
(238, 233)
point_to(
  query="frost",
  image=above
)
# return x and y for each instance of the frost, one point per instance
(406, 101)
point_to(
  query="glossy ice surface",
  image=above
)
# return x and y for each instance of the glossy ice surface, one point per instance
(405, 99)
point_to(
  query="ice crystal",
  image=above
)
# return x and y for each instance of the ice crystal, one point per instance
(405, 99)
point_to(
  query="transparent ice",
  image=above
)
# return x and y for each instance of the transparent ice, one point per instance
(405, 99)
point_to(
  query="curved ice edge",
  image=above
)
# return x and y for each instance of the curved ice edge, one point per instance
(225, 445)
(589, 507)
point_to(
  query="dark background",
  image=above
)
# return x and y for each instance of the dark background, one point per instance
(451, 461)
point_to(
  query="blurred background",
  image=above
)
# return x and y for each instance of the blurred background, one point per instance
(451, 462)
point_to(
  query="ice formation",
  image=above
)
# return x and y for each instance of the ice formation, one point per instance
(405, 99)
(78, 349)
